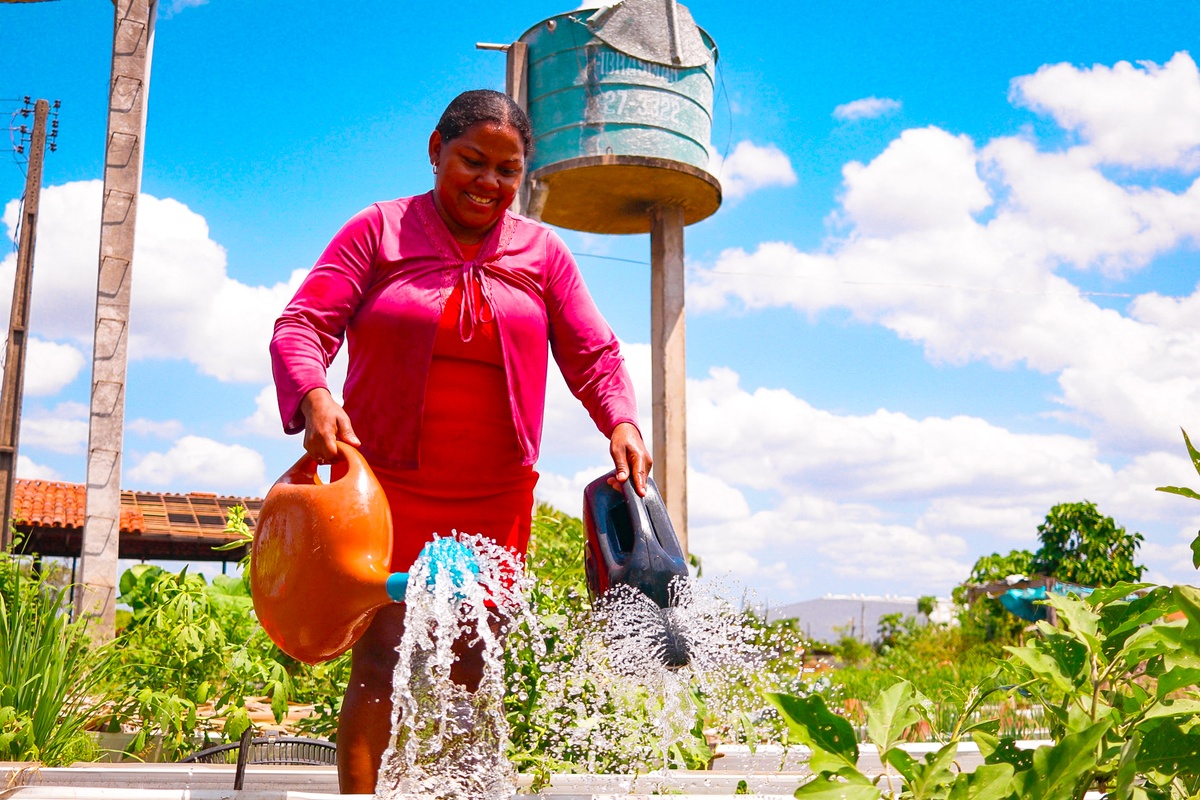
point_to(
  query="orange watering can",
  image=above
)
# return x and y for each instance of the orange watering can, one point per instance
(319, 563)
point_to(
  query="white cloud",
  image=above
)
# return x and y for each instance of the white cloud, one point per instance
(160, 429)
(866, 108)
(265, 419)
(184, 304)
(566, 493)
(199, 463)
(712, 501)
(751, 167)
(50, 366)
(176, 6)
(1141, 116)
(924, 181)
(568, 431)
(960, 249)
(63, 429)
(29, 470)
(906, 503)
(965, 487)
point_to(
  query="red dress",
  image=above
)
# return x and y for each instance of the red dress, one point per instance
(470, 477)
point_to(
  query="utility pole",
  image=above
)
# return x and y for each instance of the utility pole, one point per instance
(133, 40)
(18, 327)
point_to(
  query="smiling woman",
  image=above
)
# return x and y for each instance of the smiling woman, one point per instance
(479, 170)
(451, 306)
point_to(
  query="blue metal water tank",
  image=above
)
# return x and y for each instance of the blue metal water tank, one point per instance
(621, 104)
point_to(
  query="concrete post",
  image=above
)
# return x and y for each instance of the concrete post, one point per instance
(669, 363)
(133, 40)
(18, 327)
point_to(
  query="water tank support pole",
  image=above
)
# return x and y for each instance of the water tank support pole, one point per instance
(669, 362)
(516, 86)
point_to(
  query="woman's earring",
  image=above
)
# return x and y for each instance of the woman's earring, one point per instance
(434, 169)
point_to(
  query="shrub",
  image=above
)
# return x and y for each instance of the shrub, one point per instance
(51, 681)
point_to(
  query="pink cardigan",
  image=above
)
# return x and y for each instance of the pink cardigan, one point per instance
(383, 282)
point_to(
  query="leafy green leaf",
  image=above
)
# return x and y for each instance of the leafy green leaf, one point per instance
(1081, 620)
(890, 715)
(1149, 641)
(1168, 750)
(902, 762)
(1119, 618)
(1186, 706)
(1175, 679)
(1180, 490)
(1189, 603)
(1192, 451)
(987, 782)
(931, 776)
(817, 726)
(1048, 662)
(834, 787)
(997, 750)
(1059, 770)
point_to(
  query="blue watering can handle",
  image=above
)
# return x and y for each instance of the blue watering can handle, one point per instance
(637, 506)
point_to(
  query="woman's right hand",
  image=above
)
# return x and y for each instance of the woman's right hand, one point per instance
(325, 423)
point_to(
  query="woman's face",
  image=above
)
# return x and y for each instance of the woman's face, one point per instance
(478, 175)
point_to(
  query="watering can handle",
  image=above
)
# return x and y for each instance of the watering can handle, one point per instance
(304, 471)
(637, 506)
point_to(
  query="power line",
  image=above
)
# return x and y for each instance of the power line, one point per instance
(922, 285)
(611, 258)
(893, 284)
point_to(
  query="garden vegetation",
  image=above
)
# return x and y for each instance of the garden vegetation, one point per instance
(1112, 685)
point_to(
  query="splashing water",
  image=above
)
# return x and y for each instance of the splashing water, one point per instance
(448, 742)
(609, 699)
(617, 704)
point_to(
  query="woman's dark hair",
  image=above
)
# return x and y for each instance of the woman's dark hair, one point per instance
(484, 105)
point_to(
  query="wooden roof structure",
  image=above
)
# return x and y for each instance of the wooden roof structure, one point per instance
(177, 527)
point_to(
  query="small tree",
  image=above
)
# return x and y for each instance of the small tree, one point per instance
(1082, 546)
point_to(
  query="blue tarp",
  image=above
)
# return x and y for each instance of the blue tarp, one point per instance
(1024, 602)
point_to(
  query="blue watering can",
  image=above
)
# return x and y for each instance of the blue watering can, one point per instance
(631, 542)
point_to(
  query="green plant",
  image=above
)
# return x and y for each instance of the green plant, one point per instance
(243, 537)
(1117, 681)
(850, 650)
(51, 681)
(190, 643)
(1185, 492)
(985, 618)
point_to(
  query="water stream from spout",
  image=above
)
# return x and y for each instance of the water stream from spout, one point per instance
(448, 742)
(607, 699)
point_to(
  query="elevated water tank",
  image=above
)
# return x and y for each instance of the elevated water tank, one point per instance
(621, 104)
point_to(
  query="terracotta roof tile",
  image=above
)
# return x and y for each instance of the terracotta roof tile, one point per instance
(54, 504)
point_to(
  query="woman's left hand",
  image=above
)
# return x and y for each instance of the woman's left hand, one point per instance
(630, 457)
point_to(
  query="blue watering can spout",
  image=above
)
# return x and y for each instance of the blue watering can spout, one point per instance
(444, 555)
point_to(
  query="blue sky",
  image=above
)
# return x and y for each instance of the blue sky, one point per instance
(953, 282)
